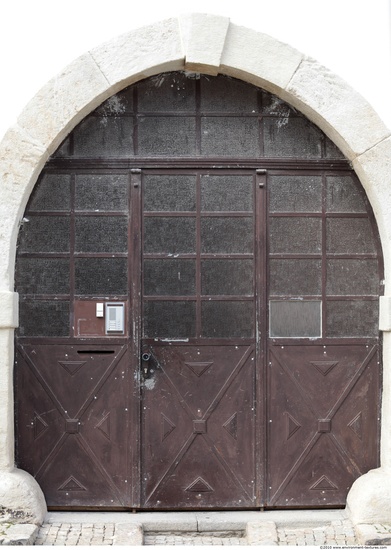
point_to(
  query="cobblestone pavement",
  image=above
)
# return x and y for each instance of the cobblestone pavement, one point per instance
(336, 533)
(194, 539)
(75, 534)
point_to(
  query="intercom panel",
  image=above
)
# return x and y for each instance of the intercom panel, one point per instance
(115, 318)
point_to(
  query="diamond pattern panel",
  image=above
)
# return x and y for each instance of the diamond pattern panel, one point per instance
(198, 448)
(77, 420)
(330, 419)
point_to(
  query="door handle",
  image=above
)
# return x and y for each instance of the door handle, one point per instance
(149, 363)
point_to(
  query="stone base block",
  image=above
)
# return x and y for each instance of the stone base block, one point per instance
(373, 535)
(18, 535)
(369, 499)
(21, 498)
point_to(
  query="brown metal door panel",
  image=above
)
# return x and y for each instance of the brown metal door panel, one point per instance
(322, 422)
(355, 423)
(321, 478)
(198, 428)
(77, 411)
(76, 476)
(40, 424)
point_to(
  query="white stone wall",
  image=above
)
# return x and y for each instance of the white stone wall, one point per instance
(212, 45)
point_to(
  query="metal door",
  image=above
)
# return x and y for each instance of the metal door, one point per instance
(252, 295)
(323, 373)
(199, 348)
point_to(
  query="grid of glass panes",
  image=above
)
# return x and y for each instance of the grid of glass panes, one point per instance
(177, 114)
(198, 266)
(323, 260)
(73, 244)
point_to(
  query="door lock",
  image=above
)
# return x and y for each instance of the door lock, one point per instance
(146, 363)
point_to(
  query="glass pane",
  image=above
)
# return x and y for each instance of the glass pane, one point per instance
(349, 236)
(169, 193)
(174, 136)
(105, 193)
(224, 94)
(295, 277)
(352, 318)
(169, 235)
(101, 276)
(167, 92)
(101, 234)
(53, 192)
(44, 234)
(295, 193)
(169, 277)
(354, 277)
(343, 195)
(227, 319)
(295, 235)
(98, 137)
(39, 318)
(295, 319)
(169, 319)
(291, 137)
(332, 151)
(64, 150)
(230, 136)
(273, 105)
(42, 276)
(226, 193)
(227, 235)
(117, 104)
(227, 277)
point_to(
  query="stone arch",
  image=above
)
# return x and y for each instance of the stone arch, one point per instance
(212, 45)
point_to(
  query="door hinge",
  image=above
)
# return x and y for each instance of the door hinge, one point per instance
(136, 172)
(261, 173)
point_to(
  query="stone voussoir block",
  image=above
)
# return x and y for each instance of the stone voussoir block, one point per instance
(203, 38)
(259, 58)
(323, 96)
(141, 53)
(64, 101)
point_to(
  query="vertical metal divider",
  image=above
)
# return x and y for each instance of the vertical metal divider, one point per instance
(261, 333)
(198, 209)
(198, 115)
(134, 320)
(198, 256)
(324, 256)
(72, 229)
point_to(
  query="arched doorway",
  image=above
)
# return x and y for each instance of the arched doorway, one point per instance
(199, 273)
